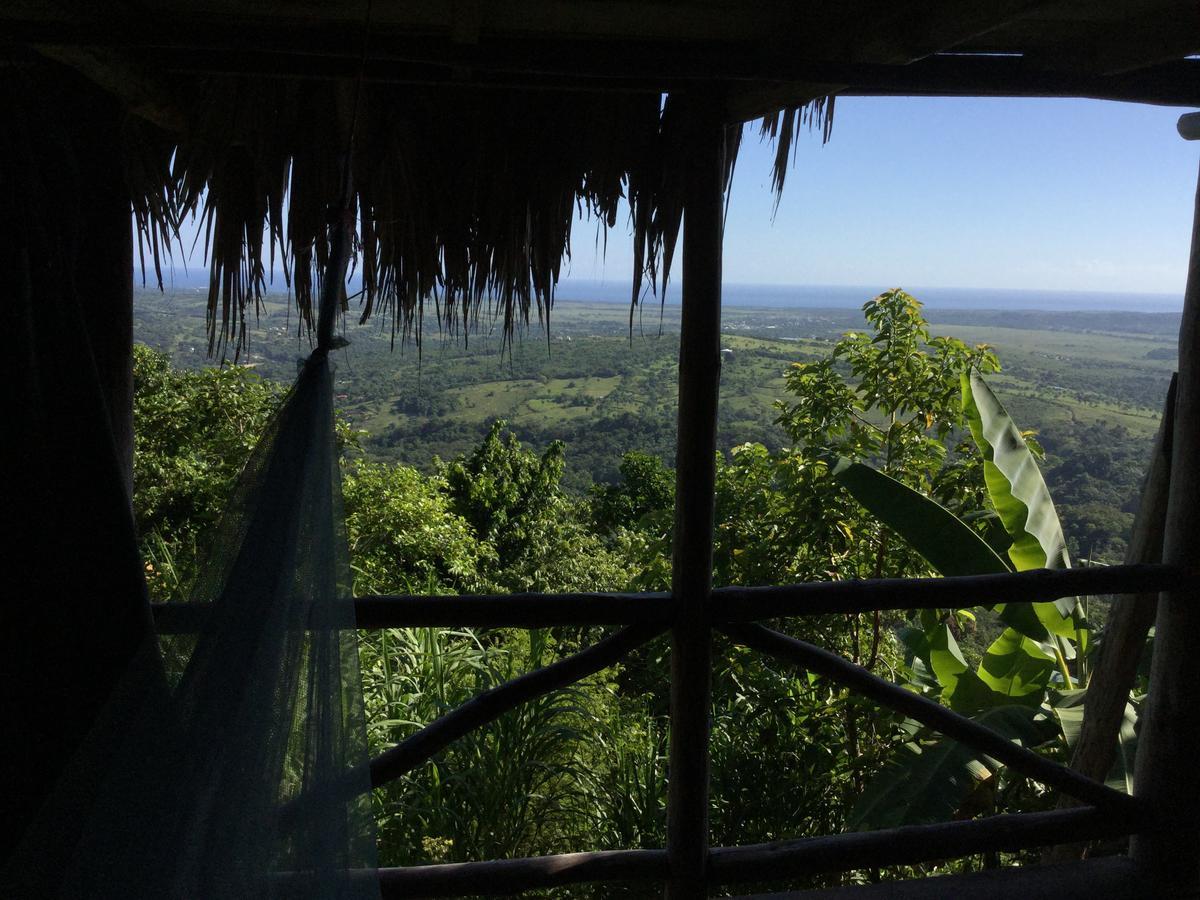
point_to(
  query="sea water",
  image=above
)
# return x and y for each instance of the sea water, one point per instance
(852, 297)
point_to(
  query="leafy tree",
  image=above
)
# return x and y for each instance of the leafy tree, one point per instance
(194, 431)
(504, 490)
(891, 397)
(405, 538)
(514, 500)
(647, 487)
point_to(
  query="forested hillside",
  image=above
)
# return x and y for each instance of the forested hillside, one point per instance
(1090, 384)
(817, 428)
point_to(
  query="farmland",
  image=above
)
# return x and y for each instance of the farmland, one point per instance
(1090, 384)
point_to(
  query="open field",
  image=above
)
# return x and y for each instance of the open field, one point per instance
(1087, 383)
(593, 367)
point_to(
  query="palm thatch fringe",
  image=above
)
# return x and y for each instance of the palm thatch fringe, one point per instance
(464, 198)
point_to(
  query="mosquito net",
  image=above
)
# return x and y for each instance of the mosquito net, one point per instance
(230, 761)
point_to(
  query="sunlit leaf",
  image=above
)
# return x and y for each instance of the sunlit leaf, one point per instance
(945, 541)
(1018, 667)
(1021, 499)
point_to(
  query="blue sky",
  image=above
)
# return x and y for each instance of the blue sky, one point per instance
(977, 193)
(992, 193)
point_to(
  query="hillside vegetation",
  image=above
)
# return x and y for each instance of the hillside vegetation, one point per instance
(575, 492)
(1091, 385)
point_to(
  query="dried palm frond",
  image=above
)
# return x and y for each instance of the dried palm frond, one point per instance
(464, 196)
(785, 126)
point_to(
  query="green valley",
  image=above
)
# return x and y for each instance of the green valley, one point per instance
(1090, 384)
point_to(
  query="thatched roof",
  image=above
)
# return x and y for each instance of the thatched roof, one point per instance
(481, 128)
(465, 198)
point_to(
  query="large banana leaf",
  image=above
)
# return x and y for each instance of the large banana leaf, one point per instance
(1021, 499)
(953, 548)
(1014, 481)
(1068, 708)
(937, 662)
(931, 783)
(1018, 667)
(946, 542)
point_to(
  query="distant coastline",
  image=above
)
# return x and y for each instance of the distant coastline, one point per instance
(774, 296)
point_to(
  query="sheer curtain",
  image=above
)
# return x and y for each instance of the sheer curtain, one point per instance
(242, 774)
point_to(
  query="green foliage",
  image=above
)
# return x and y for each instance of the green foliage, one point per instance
(195, 431)
(889, 397)
(1015, 485)
(1022, 502)
(405, 537)
(767, 526)
(646, 488)
(507, 789)
(1068, 709)
(501, 489)
(1095, 471)
(948, 544)
(934, 782)
(904, 403)
(514, 501)
(791, 753)
(1020, 666)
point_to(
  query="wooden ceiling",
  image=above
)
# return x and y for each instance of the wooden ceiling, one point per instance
(761, 54)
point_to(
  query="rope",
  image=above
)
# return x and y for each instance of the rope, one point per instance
(341, 226)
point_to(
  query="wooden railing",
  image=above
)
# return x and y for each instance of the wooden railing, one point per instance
(731, 605)
(736, 611)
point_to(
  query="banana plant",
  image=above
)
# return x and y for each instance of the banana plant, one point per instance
(1036, 642)
(1018, 680)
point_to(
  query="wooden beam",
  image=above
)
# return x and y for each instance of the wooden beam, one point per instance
(910, 844)
(738, 604)
(1123, 640)
(941, 25)
(757, 862)
(732, 604)
(695, 457)
(503, 877)
(933, 715)
(1110, 877)
(1167, 777)
(766, 78)
(143, 95)
(1149, 38)
(1175, 83)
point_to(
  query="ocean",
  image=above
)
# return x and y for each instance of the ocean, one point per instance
(806, 296)
(803, 296)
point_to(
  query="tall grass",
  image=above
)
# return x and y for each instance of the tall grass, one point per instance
(503, 790)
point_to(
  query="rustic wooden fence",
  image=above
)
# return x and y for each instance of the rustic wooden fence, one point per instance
(736, 612)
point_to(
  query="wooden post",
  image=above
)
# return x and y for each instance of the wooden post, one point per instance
(1129, 621)
(691, 571)
(1167, 777)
